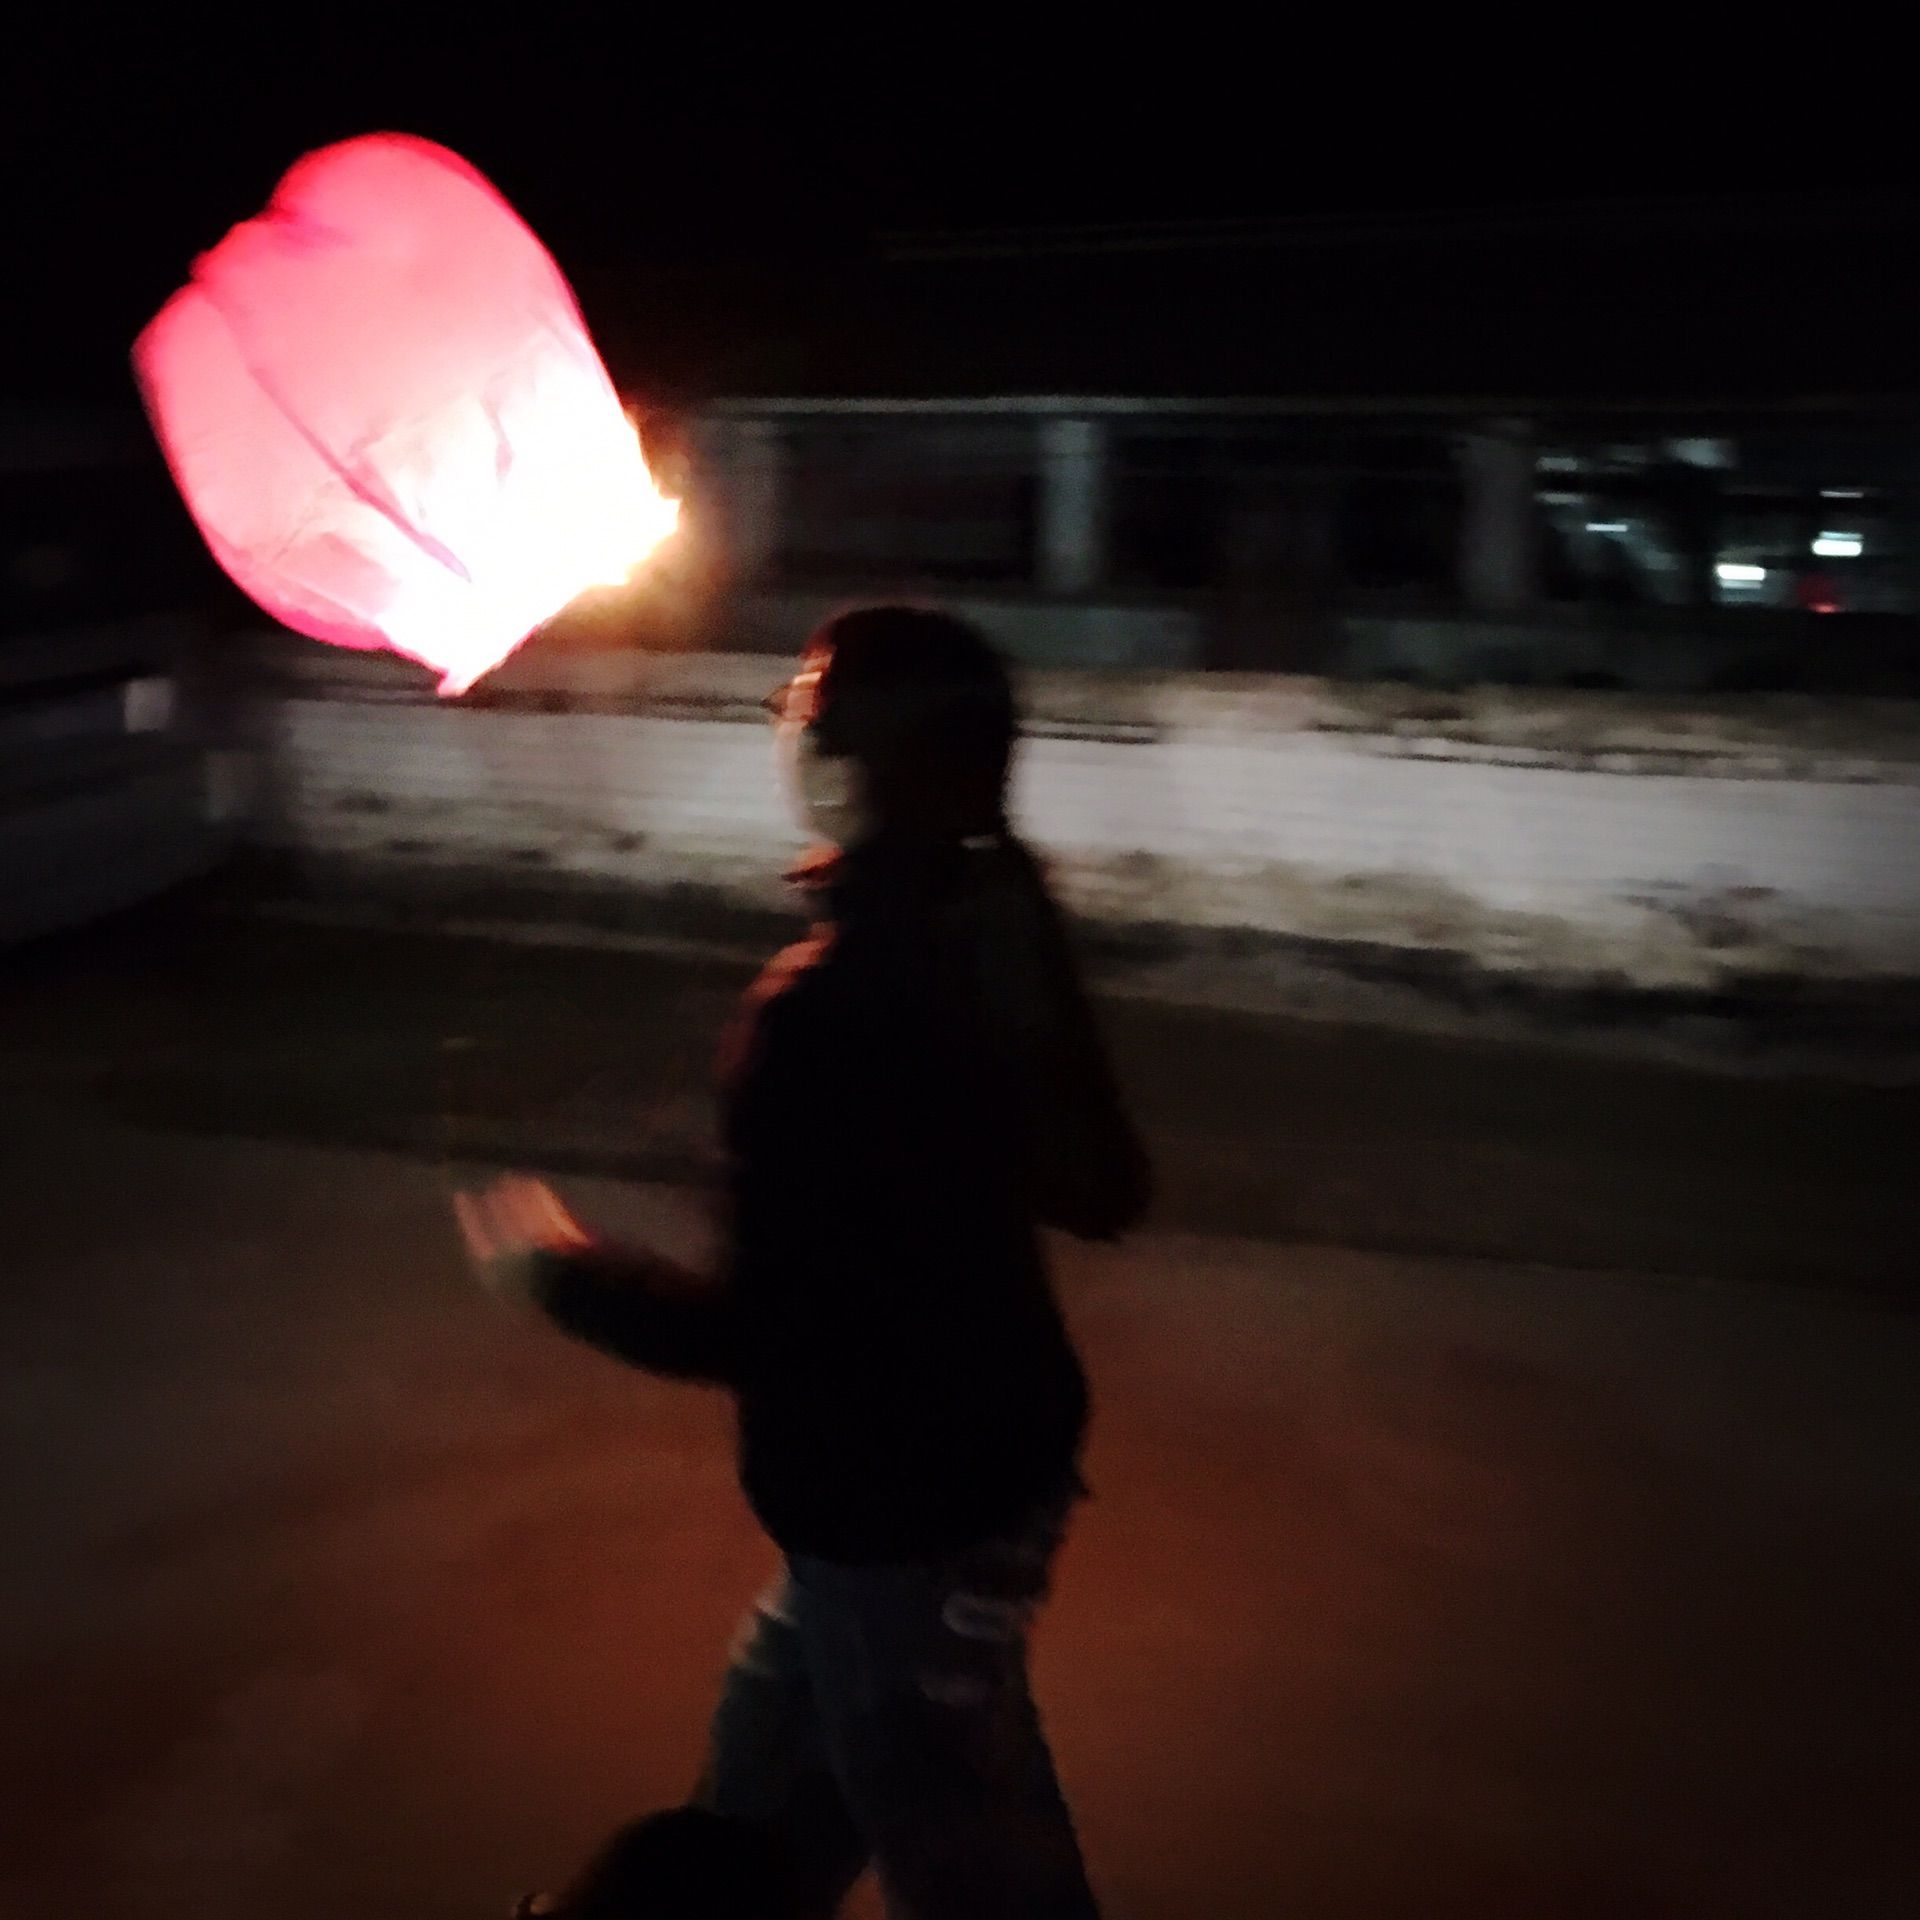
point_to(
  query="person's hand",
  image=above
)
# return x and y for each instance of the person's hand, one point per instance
(508, 1226)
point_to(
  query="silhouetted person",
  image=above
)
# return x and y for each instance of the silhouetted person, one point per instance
(910, 1094)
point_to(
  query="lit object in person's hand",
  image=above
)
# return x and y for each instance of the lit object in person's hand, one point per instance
(384, 411)
(509, 1226)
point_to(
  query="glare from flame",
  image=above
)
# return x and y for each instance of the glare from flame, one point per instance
(578, 509)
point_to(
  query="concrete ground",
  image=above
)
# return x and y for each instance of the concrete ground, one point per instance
(1415, 1583)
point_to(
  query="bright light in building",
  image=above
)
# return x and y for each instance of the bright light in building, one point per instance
(1843, 493)
(1838, 546)
(1606, 526)
(1736, 574)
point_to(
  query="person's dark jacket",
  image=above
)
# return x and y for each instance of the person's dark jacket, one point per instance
(907, 1094)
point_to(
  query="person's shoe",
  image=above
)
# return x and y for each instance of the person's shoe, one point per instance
(675, 1865)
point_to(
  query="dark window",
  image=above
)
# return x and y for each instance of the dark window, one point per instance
(936, 502)
(79, 547)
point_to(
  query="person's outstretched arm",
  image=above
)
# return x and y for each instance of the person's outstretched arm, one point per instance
(638, 1306)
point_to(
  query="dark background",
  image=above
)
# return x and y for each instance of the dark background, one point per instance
(1208, 209)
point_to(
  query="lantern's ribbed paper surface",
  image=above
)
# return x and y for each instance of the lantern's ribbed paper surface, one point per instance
(384, 411)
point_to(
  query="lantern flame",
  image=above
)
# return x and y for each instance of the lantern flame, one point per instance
(384, 411)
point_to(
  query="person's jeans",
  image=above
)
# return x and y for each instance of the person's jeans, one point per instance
(883, 1713)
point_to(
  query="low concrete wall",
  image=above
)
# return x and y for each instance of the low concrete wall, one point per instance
(1576, 839)
(1144, 636)
(105, 799)
(1705, 652)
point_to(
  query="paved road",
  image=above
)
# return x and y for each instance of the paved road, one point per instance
(1414, 1585)
(1275, 1127)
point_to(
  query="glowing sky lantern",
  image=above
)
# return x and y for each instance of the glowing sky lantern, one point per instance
(384, 411)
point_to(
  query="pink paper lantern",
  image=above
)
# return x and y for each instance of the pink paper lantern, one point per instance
(384, 411)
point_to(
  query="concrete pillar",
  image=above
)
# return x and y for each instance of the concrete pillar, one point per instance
(1499, 544)
(1686, 484)
(1074, 502)
(753, 465)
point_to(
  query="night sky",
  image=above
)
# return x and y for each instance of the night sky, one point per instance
(714, 205)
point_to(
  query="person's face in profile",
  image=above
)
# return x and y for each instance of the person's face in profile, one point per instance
(824, 791)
